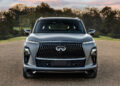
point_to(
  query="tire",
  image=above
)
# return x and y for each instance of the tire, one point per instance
(91, 73)
(27, 74)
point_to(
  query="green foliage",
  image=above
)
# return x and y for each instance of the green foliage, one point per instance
(92, 19)
(111, 22)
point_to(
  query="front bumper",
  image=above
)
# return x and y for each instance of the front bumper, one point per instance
(59, 70)
(33, 67)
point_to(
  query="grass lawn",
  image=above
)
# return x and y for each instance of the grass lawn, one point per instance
(107, 38)
(13, 39)
(18, 29)
(24, 37)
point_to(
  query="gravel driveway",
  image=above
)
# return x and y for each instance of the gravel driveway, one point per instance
(108, 74)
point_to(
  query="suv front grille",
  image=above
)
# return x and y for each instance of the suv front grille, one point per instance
(48, 50)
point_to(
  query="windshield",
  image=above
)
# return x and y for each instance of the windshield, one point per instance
(59, 26)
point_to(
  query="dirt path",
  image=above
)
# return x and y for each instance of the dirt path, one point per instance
(108, 74)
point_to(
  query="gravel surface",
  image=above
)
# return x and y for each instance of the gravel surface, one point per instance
(108, 73)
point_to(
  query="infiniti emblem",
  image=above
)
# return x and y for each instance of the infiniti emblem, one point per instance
(60, 48)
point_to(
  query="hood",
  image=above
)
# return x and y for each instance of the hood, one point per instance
(73, 37)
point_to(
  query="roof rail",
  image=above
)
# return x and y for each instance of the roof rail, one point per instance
(40, 17)
(77, 17)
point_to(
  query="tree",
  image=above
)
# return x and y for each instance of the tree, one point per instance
(44, 8)
(92, 19)
(17, 10)
(105, 21)
(110, 22)
(68, 12)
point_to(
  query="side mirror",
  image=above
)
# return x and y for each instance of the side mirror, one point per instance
(91, 31)
(27, 31)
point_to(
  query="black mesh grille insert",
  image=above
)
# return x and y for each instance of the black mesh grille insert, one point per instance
(48, 63)
(48, 50)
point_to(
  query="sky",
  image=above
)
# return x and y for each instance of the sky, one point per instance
(115, 4)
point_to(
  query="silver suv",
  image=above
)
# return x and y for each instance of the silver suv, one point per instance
(60, 45)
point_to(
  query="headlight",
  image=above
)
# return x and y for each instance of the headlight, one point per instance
(33, 42)
(89, 42)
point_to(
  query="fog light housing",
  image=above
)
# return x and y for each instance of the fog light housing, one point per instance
(26, 51)
(26, 55)
(94, 55)
(94, 51)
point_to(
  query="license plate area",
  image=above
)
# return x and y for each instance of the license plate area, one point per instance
(60, 63)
